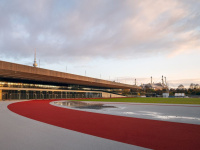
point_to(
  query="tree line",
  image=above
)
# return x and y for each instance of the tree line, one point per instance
(171, 91)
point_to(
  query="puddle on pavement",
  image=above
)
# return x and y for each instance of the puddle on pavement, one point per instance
(83, 105)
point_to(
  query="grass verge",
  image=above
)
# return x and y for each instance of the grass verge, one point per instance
(150, 100)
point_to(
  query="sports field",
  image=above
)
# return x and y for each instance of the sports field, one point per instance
(40, 124)
(150, 100)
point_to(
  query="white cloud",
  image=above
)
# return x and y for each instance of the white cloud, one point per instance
(103, 28)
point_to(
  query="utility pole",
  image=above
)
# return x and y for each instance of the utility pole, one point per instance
(135, 81)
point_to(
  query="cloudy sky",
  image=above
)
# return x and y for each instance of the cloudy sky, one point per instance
(109, 39)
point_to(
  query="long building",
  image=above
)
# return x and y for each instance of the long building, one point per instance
(25, 82)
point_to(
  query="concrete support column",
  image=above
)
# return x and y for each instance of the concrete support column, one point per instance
(1, 95)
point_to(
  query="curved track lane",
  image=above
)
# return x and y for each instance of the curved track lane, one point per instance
(146, 133)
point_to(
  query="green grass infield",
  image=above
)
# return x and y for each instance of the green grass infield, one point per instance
(150, 100)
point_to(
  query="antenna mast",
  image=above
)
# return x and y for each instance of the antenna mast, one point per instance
(35, 63)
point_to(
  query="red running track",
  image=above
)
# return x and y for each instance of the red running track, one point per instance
(141, 132)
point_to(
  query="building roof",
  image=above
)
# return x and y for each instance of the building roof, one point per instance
(22, 72)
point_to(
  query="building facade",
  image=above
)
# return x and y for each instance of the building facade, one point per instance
(26, 82)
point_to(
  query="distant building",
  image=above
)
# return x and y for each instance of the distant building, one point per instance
(154, 86)
(166, 95)
(179, 95)
(20, 82)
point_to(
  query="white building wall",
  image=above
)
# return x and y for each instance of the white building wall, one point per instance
(108, 95)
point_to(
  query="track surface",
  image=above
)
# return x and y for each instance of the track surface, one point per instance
(21, 133)
(141, 132)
